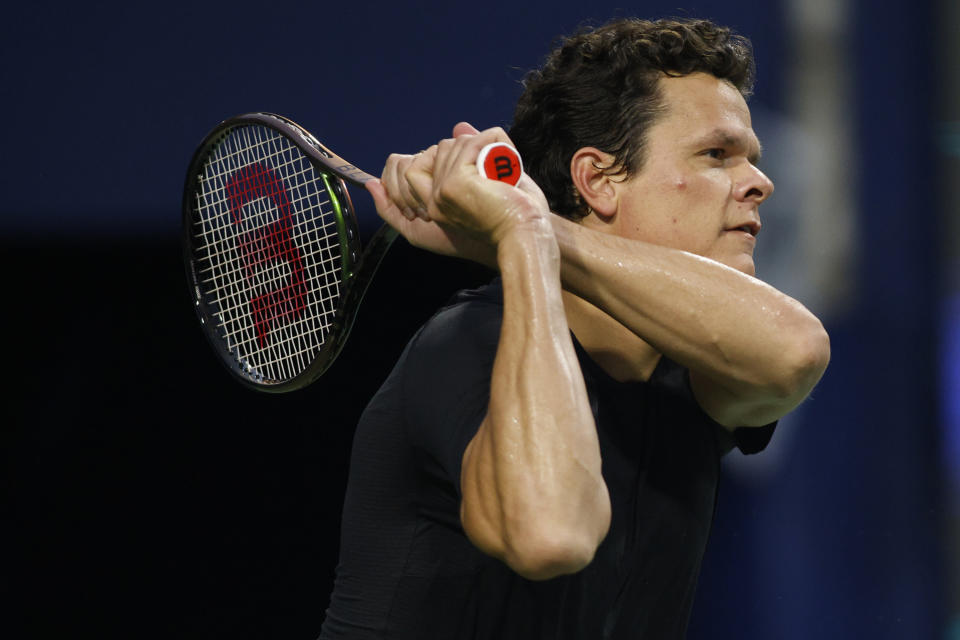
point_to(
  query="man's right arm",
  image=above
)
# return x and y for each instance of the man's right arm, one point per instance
(532, 490)
(533, 493)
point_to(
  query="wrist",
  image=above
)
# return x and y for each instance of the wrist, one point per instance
(528, 239)
(519, 215)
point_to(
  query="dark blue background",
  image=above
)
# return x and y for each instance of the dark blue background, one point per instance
(134, 508)
(120, 94)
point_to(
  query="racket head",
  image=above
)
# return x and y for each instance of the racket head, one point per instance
(271, 244)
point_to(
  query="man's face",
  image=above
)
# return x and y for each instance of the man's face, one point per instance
(699, 188)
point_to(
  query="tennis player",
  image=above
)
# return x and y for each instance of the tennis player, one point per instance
(543, 461)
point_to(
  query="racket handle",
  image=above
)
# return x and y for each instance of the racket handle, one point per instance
(500, 161)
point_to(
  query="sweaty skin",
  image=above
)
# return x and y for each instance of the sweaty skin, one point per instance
(663, 264)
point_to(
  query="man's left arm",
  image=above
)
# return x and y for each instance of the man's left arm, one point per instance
(753, 352)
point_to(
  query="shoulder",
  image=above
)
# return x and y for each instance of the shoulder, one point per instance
(449, 361)
(468, 326)
(443, 379)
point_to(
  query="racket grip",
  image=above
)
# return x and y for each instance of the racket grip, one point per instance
(500, 161)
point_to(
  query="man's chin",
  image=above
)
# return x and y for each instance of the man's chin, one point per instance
(743, 264)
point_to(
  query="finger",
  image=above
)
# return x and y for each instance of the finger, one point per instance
(397, 188)
(464, 129)
(378, 192)
(448, 156)
(407, 198)
(389, 182)
(419, 178)
(385, 206)
(497, 134)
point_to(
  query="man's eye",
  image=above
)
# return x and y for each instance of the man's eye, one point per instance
(716, 153)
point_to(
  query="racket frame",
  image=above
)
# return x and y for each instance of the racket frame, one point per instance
(357, 267)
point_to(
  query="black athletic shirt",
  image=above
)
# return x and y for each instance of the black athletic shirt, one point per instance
(408, 571)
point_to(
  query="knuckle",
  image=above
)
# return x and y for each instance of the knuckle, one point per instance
(445, 194)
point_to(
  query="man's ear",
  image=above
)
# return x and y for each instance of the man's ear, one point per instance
(592, 178)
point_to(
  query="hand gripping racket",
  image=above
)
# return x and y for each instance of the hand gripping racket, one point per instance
(272, 247)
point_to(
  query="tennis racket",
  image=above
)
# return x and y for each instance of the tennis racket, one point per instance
(272, 247)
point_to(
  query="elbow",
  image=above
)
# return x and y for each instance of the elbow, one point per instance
(538, 530)
(787, 375)
(541, 548)
(542, 552)
(546, 554)
(804, 362)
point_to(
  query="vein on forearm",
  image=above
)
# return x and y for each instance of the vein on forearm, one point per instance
(535, 462)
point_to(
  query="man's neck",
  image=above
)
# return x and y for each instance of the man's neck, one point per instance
(619, 352)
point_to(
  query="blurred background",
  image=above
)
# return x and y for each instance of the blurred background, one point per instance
(144, 494)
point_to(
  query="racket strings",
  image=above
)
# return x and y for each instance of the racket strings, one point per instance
(227, 263)
(267, 234)
(220, 249)
(216, 286)
(233, 325)
(223, 250)
(217, 204)
(263, 308)
(289, 349)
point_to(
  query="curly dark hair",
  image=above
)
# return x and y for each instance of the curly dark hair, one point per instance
(600, 88)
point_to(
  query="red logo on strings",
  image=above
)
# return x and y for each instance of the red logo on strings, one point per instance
(267, 246)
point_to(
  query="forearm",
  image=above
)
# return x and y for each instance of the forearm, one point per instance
(533, 494)
(732, 328)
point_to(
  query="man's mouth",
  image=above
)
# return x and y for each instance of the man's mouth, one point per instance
(753, 228)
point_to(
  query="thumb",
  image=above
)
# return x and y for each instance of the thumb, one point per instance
(386, 208)
(376, 190)
(380, 198)
(464, 129)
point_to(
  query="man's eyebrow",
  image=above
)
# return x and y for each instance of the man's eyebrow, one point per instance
(726, 138)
